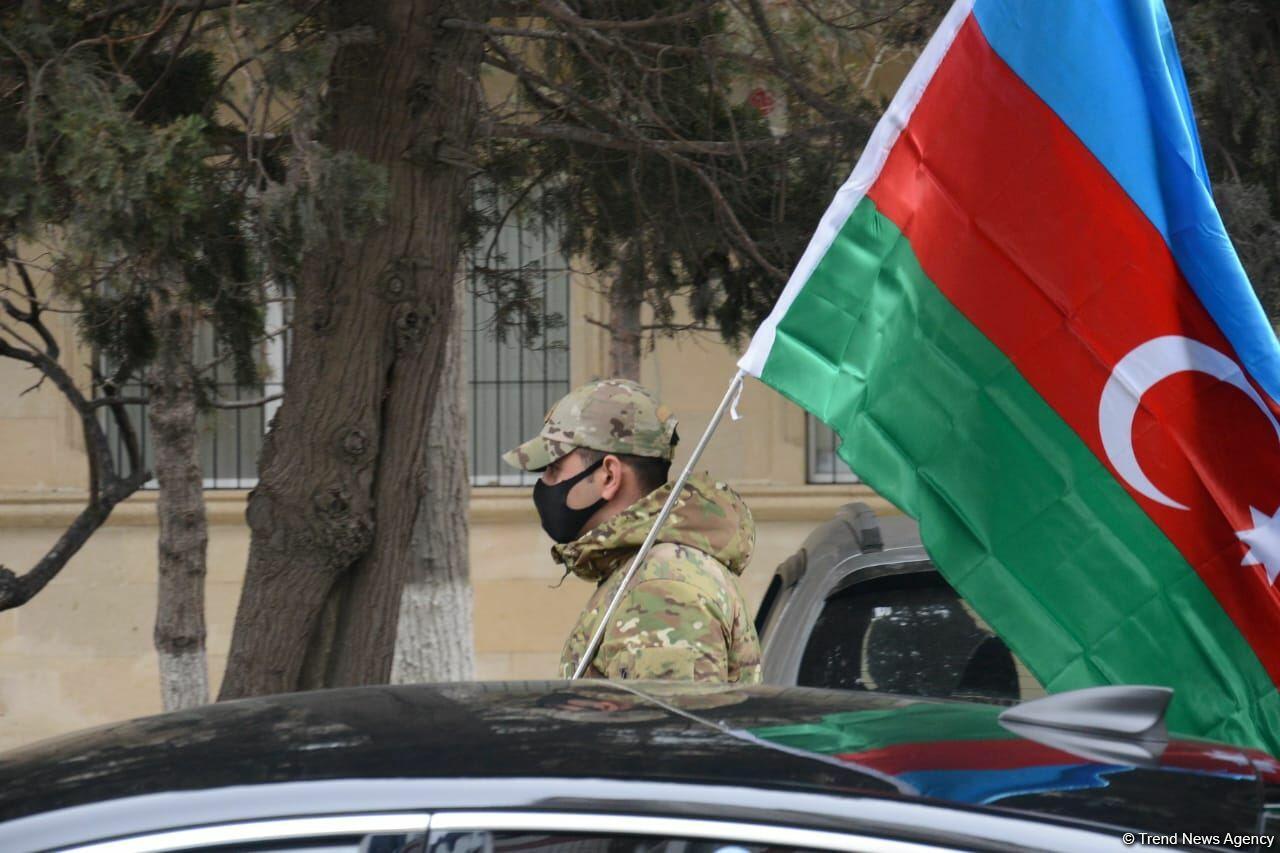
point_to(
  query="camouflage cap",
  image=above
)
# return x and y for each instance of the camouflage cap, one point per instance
(613, 415)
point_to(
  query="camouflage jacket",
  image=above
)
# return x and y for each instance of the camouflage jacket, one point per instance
(683, 617)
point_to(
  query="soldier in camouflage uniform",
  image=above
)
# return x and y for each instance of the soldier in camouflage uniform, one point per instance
(604, 453)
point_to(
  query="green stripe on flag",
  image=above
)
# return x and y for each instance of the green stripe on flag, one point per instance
(1020, 515)
(860, 731)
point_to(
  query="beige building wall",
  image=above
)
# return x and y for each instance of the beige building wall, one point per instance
(80, 653)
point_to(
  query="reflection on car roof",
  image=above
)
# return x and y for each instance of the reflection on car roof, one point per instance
(849, 743)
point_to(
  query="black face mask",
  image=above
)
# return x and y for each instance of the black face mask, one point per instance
(562, 523)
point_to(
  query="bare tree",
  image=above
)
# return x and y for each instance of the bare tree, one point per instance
(25, 337)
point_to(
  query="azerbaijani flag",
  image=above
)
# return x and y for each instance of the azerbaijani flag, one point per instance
(1024, 319)
(974, 760)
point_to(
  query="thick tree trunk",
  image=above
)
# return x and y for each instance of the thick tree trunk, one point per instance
(434, 640)
(184, 537)
(626, 336)
(332, 518)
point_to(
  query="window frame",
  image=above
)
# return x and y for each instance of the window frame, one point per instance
(275, 357)
(259, 831)
(841, 474)
(671, 827)
(549, 389)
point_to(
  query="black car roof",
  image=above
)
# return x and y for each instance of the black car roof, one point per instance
(836, 742)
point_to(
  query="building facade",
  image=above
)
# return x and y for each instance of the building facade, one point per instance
(80, 653)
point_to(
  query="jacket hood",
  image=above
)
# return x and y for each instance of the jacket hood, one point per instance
(708, 516)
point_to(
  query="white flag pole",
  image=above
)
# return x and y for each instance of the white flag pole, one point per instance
(730, 400)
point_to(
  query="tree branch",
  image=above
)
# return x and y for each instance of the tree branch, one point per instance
(834, 112)
(491, 30)
(220, 403)
(32, 315)
(785, 69)
(16, 590)
(95, 440)
(561, 12)
(106, 488)
(583, 136)
(671, 328)
(112, 400)
(736, 229)
(119, 413)
(173, 59)
(865, 24)
(120, 8)
(269, 46)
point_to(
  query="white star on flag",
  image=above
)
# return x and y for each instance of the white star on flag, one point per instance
(1264, 542)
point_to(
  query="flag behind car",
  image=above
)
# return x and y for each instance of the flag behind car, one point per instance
(1026, 322)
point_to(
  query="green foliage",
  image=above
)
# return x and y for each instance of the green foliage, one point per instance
(182, 85)
(153, 154)
(146, 204)
(115, 322)
(342, 196)
(133, 188)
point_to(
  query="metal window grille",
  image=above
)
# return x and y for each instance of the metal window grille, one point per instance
(513, 381)
(229, 439)
(823, 463)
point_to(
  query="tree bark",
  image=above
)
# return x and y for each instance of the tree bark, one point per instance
(625, 334)
(434, 641)
(340, 481)
(180, 629)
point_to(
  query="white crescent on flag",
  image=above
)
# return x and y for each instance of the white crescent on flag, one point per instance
(1137, 373)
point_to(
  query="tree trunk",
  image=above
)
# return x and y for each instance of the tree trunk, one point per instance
(434, 640)
(625, 333)
(184, 537)
(340, 478)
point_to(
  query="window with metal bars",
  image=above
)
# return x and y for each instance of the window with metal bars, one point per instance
(824, 464)
(515, 378)
(229, 438)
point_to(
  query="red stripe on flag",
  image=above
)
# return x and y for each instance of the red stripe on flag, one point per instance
(1017, 753)
(1002, 754)
(1029, 236)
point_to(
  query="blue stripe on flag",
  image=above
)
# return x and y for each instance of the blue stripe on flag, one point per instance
(1110, 70)
(989, 786)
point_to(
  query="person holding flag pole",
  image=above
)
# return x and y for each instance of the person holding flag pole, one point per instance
(1025, 320)
(676, 613)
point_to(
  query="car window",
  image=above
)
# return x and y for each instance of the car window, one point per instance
(415, 843)
(910, 634)
(350, 844)
(484, 841)
(358, 833)
(600, 832)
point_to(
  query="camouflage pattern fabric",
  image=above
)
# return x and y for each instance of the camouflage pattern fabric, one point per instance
(613, 415)
(683, 617)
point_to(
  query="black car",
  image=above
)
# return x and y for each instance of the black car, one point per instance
(593, 765)
(861, 606)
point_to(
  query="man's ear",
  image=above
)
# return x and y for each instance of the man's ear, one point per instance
(613, 471)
